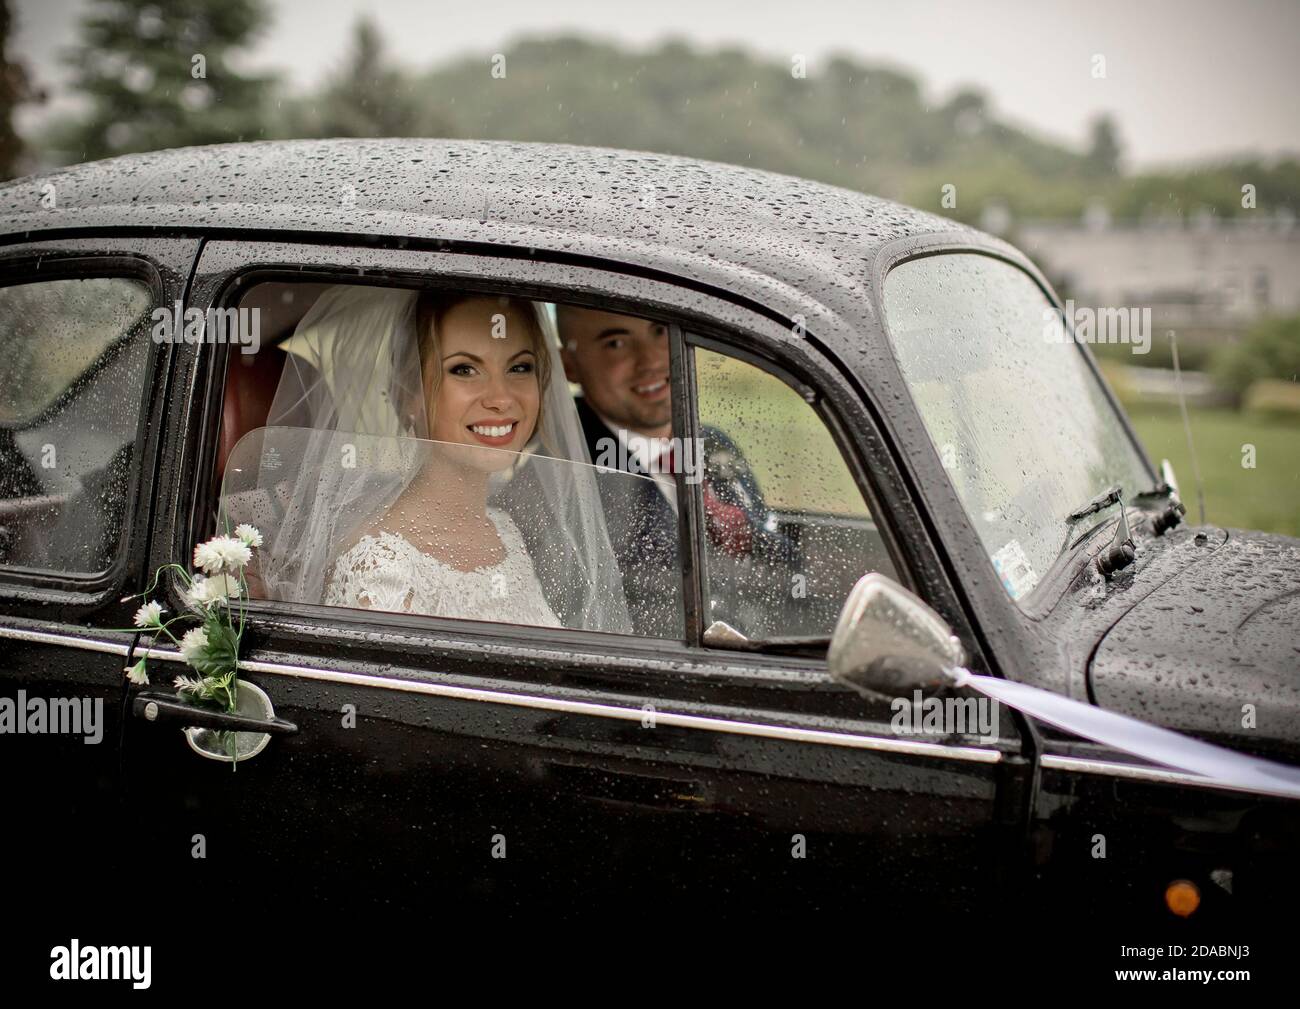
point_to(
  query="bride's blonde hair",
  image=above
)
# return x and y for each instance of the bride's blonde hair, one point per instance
(431, 309)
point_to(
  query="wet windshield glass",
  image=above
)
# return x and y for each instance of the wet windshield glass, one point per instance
(1021, 424)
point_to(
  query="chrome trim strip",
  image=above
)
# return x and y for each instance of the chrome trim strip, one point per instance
(1085, 765)
(65, 641)
(702, 722)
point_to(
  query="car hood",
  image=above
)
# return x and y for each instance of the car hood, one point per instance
(1215, 651)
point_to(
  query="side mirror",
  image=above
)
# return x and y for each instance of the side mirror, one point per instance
(889, 643)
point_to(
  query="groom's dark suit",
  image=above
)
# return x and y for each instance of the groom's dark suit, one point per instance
(643, 525)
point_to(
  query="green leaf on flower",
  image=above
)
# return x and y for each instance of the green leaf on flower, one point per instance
(220, 656)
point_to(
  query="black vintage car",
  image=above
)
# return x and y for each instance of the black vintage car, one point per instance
(885, 378)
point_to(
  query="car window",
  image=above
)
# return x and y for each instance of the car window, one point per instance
(72, 371)
(787, 532)
(1021, 423)
(452, 454)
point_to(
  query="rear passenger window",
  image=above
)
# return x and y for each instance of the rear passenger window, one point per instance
(73, 354)
(787, 532)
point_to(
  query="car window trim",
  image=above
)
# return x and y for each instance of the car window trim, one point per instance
(691, 550)
(825, 411)
(984, 753)
(690, 514)
(685, 405)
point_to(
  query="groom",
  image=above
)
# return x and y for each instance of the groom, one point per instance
(621, 363)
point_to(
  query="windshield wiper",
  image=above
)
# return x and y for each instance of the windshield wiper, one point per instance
(1122, 551)
(1103, 500)
(1173, 511)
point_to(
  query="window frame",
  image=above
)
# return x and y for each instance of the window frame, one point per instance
(1020, 643)
(34, 264)
(1056, 580)
(229, 267)
(832, 424)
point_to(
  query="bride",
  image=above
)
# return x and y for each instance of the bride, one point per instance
(440, 550)
(419, 458)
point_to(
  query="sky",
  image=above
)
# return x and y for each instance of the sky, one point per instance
(1186, 80)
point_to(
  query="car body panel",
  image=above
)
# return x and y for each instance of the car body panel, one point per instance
(1222, 634)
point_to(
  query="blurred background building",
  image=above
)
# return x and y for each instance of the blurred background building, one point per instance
(1204, 277)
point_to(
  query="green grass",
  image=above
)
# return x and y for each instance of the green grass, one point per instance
(792, 455)
(1266, 497)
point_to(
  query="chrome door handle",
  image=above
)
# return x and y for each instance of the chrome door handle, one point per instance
(158, 706)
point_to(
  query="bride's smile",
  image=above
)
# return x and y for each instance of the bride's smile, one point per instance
(498, 434)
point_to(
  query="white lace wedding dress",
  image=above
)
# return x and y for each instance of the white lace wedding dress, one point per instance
(386, 571)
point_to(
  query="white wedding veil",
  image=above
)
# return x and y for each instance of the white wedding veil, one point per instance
(347, 432)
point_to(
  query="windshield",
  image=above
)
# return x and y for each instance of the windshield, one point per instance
(1020, 422)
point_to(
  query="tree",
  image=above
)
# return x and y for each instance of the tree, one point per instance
(364, 98)
(966, 112)
(15, 88)
(1103, 147)
(158, 76)
(1270, 349)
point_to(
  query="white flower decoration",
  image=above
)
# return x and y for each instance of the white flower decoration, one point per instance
(206, 558)
(192, 643)
(137, 675)
(190, 684)
(207, 591)
(249, 535)
(149, 615)
(235, 552)
(221, 553)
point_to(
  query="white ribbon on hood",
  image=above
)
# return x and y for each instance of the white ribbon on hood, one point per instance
(1219, 766)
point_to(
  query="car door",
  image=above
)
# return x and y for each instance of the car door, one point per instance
(439, 759)
(82, 392)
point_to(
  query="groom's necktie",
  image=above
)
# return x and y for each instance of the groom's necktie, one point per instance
(727, 524)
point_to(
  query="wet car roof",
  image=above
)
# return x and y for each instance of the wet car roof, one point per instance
(789, 243)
